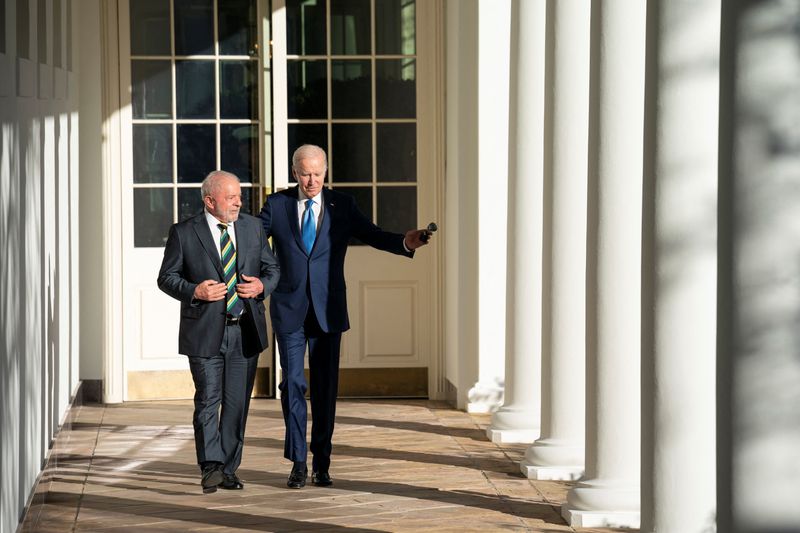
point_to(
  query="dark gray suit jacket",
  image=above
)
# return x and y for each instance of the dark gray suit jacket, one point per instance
(191, 257)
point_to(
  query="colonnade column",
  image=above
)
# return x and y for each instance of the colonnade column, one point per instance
(559, 452)
(493, 21)
(608, 495)
(680, 268)
(518, 419)
(759, 266)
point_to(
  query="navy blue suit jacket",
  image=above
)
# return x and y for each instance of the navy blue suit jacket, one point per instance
(191, 256)
(319, 274)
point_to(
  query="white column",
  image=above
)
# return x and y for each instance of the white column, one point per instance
(559, 452)
(518, 419)
(759, 264)
(494, 21)
(609, 492)
(680, 262)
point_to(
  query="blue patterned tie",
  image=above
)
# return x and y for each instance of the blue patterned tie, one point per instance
(309, 228)
(228, 255)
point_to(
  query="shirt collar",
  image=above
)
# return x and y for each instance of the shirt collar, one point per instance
(213, 221)
(301, 197)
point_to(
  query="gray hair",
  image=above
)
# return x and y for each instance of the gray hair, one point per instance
(309, 150)
(211, 182)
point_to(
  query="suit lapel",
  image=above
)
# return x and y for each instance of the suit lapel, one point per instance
(207, 240)
(291, 213)
(323, 235)
(241, 238)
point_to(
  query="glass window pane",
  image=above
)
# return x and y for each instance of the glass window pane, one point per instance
(69, 35)
(194, 89)
(196, 151)
(23, 28)
(194, 27)
(307, 89)
(395, 88)
(396, 152)
(57, 44)
(397, 208)
(305, 27)
(190, 203)
(351, 157)
(151, 85)
(247, 201)
(2, 26)
(300, 134)
(152, 153)
(150, 27)
(237, 92)
(395, 27)
(152, 215)
(41, 13)
(350, 27)
(237, 27)
(351, 92)
(239, 150)
(363, 196)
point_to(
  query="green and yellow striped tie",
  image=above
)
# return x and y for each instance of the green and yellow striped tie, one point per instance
(228, 255)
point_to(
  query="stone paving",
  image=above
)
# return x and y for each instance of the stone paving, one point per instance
(398, 465)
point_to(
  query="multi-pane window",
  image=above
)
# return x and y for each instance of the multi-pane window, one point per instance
(194, 103)
(351, 89)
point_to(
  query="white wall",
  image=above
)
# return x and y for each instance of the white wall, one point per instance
(37, 269)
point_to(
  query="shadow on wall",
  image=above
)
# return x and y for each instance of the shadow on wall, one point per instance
(34, 349)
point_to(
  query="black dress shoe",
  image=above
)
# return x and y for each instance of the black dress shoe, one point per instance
(212, 476)
(321, 479)
(297, 478)
(231, 482)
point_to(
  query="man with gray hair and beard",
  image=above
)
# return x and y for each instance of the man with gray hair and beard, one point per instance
(219, 266)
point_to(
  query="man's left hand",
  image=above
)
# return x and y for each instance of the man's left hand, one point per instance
(416, 238)
(251, 287)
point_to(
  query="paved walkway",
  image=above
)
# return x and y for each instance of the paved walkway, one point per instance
(397, 466)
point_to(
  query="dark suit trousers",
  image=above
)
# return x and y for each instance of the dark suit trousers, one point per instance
(323, 363)
(223, 385)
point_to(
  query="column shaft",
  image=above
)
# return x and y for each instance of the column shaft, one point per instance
(559, 452)
(759, 283)
(494, 22)
(679, 357)
(518, 419)
(609, 493)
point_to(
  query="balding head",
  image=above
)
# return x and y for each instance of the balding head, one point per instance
(308, 151)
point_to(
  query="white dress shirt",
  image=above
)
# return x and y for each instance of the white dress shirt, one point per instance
(316, 209)
(217, 233)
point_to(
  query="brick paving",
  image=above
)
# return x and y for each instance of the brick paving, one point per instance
(398, 465)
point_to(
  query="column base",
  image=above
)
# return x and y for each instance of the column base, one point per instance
(622, 519)
(553, 459)
(603, 503)
(550, 473)
(512, 436)
(513, 425)
(483, 398)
